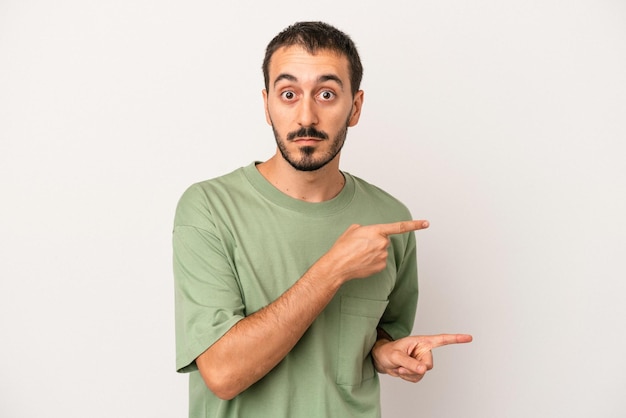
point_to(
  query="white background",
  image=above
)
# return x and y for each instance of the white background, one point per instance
(502, 122)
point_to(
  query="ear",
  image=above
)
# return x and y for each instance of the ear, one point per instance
(265, 106)
(357, 104)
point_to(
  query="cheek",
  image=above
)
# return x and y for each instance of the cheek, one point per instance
(342, 119)
(275, 116)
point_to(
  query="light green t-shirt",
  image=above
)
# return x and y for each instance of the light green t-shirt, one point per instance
(239, 243)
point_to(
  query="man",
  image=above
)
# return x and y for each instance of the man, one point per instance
(296, 282)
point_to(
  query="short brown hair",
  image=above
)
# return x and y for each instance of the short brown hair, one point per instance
(315, 36)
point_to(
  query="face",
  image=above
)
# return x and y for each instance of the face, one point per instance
(310, 106)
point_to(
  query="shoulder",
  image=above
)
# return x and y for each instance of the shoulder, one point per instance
(376, 197)
(199, 200)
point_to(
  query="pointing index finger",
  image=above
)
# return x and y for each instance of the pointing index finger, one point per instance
(402, 227)
(446, 339)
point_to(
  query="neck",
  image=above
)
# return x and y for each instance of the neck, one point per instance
(311, 186)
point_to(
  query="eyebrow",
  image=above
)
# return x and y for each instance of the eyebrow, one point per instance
(321, 79)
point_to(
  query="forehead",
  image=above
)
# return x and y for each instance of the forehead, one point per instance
(305, 66)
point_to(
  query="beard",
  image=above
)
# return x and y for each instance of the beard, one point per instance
(304, 159)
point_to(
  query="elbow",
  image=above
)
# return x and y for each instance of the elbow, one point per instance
(222, 376)
(221, 384)
(225, 393)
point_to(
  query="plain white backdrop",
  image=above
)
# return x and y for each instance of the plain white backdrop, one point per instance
(502, 122)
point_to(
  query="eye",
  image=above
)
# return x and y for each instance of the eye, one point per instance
(288, 95)
(326, 95)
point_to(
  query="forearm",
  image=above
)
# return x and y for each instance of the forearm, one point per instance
(257, 343)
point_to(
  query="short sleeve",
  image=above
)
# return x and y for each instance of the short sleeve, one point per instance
(399, 317)
(207, 296)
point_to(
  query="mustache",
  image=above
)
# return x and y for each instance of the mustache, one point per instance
(308, 132)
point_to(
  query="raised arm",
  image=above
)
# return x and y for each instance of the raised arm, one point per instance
(257, 343)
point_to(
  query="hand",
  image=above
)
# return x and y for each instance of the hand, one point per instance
(411, 357)
(362, 250)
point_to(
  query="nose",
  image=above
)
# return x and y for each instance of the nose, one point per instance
(307, 112)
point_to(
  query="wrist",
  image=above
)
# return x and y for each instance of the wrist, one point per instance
(326, 269)
(382, 338)
(376, 354)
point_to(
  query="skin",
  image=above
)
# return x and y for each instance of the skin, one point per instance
(308, 91)
(313, 91)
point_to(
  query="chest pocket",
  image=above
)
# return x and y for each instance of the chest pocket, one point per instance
(357, 334)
